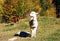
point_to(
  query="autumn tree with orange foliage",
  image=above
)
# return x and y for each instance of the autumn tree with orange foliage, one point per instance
(12, 9)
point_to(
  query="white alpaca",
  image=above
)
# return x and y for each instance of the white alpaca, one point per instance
(33, 23)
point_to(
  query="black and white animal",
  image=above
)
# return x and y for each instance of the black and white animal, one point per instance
(33, 23)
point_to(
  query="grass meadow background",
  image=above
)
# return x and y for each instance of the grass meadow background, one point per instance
(48, 30)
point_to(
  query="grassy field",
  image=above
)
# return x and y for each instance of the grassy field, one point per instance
(48, 30)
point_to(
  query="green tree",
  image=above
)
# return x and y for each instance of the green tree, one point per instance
(44, 7)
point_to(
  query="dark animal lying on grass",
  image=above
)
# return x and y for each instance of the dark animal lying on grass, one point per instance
(23, 34)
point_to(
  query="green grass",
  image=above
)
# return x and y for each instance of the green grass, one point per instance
(48, 30)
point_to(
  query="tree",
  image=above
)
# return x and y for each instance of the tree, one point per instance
(44, 7)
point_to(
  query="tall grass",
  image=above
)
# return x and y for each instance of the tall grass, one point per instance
(48, 30)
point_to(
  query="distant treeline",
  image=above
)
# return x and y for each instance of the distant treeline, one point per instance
(14, 10)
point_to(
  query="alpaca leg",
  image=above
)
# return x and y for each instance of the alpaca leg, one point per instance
(33, 32)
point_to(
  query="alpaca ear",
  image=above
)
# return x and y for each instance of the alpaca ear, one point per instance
(36, 13)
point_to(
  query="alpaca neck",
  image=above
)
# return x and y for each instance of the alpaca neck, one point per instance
(33, 18)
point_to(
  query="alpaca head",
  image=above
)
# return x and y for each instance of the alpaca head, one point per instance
(33, 14)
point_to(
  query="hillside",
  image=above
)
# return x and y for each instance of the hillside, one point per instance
(48, 30)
